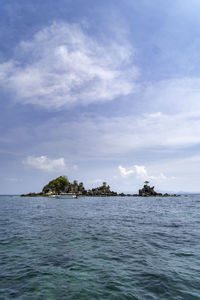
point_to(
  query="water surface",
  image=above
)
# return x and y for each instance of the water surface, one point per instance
(100, 248)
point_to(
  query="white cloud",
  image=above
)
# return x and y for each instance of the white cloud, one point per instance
(63, 66)
(155, 115)
(45, 164)
(125, 172)
(139, 172)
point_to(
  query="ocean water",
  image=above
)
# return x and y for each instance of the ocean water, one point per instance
(100, 248)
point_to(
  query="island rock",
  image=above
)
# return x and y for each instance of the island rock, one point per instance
(148, 191)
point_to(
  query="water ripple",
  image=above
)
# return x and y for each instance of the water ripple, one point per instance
(100, 248)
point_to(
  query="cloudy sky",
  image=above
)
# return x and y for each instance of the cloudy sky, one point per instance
(100, 90)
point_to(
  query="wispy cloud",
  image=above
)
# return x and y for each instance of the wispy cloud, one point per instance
(108, 138)
(175, 95)
(45, 164)
(62, 66)
(119, 135)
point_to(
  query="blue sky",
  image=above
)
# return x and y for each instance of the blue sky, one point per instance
(100, 91)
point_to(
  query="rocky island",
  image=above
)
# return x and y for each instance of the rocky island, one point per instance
(62, 186)
(148, 191)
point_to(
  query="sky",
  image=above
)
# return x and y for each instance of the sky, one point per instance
(100, 90)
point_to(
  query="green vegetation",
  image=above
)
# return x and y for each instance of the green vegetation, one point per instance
(57, 185)
(146, 182)
(61, 185)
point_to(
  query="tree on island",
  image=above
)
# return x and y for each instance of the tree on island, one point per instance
(56, 185)
(146, 182)
(61, 185)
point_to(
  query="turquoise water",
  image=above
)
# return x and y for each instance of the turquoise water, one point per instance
(100, 248)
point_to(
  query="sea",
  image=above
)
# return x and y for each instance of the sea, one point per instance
(100, 248)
